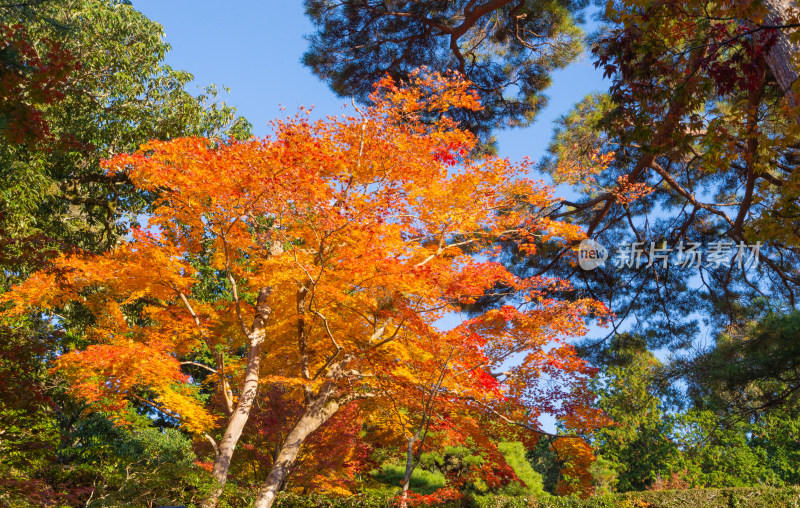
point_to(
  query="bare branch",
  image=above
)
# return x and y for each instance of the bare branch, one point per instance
(200, 365)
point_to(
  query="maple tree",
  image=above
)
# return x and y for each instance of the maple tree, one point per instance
(576, 477)
(701, 119)
(694, 142)
(326, 252)
(333, 459)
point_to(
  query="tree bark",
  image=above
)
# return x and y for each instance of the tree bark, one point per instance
(781, 57)
(409, 470)
(238, 419)
(319, 410)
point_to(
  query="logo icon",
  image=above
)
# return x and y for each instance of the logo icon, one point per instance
(591, 254)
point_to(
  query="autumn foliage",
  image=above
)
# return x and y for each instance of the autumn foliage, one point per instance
(31, 79)
(331, 260)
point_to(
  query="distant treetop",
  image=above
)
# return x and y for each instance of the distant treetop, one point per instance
(506, 48)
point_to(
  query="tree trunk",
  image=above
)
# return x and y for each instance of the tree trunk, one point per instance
(319, 411)
(238, 419)
(409, 470)
(781, 57)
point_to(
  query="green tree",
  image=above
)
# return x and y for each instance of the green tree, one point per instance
(120, 95)
(743, 424)
(92, 81)
(692, 144)
(545, 461)
(514, 454)
(638, 445)
(751, 368)
(104, 465)
(655, 444)
(506, 48)
(720, 453)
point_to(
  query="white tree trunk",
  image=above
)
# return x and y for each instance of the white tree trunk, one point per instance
(238, 418)
(319, 410)
(409, 470)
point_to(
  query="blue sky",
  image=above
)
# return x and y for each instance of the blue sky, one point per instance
(254, 48)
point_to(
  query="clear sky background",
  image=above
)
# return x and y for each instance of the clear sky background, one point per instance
(254, 48)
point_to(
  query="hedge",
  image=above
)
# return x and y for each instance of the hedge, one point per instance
(761, 497)
(289, 500)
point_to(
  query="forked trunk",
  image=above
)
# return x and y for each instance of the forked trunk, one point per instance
(320, 409)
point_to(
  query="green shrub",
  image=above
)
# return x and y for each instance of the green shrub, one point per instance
(492, 501)
(759, 497)
(514, 453)
(289, 500)
(765, 497)
(422, 480)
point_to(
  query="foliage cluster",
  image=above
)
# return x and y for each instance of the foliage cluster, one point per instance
(195, 316)
(754, 497)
